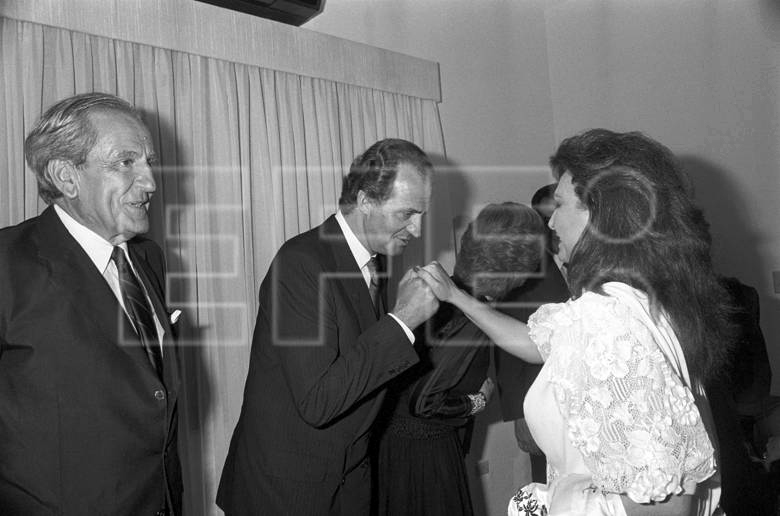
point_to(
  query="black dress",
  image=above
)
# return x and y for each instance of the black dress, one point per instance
(420, 460)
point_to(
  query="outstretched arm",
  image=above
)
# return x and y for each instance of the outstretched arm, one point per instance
(505, 331)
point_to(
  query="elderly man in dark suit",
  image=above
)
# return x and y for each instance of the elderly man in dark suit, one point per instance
(515, 376)
(88, 377)
(324, 346)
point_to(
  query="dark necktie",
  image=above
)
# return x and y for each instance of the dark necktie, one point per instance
(138, 309)
(373, 287)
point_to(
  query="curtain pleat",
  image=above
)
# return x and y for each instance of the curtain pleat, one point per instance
(248, 157)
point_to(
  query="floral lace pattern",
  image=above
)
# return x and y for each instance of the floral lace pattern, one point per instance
(524, 503)
(627, 412)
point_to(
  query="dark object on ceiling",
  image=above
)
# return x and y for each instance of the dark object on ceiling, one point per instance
(292, 12)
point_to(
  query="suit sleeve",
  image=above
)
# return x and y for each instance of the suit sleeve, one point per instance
(328, 363)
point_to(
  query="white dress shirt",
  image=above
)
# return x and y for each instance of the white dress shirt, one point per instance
(362, 257)
(99, 251)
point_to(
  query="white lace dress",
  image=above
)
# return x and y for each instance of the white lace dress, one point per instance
(612, 409)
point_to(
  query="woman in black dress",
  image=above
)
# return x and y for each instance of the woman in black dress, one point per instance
(429, 409)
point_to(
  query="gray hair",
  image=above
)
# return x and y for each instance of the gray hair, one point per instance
(65, 132)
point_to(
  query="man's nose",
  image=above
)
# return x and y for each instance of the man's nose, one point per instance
(145, 178)
(415, 225)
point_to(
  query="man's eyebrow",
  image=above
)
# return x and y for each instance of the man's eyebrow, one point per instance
(124, 153)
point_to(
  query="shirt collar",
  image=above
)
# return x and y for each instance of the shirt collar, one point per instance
(97, 248)
(361, 254)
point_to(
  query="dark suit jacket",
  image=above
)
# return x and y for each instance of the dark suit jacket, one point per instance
(515, 376)
(86, 426)
(318, 364)
(740, 391)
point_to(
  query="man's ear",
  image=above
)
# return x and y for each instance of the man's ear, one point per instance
(364, 204)
(64, 177)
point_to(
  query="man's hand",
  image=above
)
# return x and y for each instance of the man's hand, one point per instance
(438, 280)
(415, 302)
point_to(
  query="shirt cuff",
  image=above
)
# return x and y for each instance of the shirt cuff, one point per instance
(404, 327)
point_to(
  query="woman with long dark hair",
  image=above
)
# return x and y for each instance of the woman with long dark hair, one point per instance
(618, 408)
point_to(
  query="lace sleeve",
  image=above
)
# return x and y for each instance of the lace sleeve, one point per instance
(542, 323)
(631, 418)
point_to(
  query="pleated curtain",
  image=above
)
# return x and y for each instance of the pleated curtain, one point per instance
(249, 157)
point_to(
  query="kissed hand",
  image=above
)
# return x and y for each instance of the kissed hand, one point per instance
(438, 280)
(415, 302)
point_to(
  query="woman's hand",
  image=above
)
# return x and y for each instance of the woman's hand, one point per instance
(481, 398)
(505, 331)
(487, 388)
(438, 280)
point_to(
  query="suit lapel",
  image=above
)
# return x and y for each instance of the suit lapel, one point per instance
(350, 278)
(143, 269)
(154, 289)
(84, 287)
(147, 275)
(382, 260)
(355, 289)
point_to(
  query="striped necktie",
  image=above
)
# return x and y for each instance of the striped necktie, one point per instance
(373, 287)
(138, 309)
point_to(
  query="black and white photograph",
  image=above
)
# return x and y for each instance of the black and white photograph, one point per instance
(390, 258)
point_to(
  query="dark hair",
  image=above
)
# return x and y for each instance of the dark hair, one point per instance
(499, 249)
(375, 170)
(65, 132)
(545, 193)
(645, 231)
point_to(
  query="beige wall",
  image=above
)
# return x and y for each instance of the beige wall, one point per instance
(496, 110)
(702, 77)
(517, 76)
